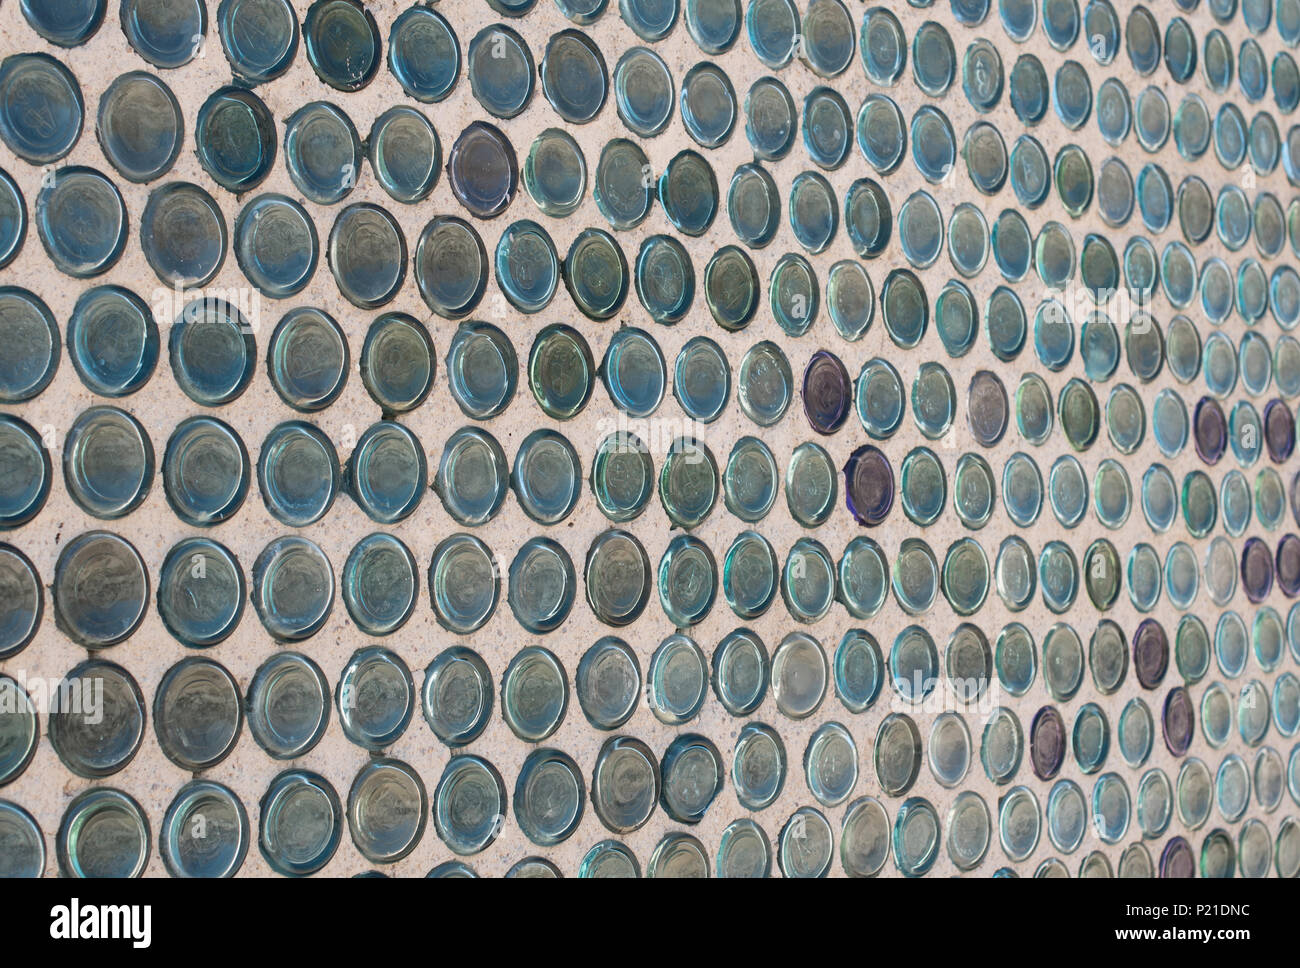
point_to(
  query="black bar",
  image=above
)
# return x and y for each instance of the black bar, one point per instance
(913, 919)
